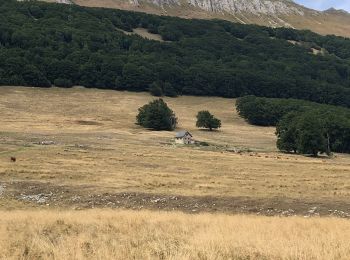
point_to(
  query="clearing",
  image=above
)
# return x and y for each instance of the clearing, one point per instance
(144, 34)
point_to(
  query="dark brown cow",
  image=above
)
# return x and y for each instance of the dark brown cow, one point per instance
(13, 159)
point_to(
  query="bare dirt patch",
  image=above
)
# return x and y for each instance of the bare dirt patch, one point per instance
(86, 122)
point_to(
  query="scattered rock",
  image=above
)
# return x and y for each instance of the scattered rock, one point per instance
(45, 143)
(312, 210)
(37, 198)
(75, 198)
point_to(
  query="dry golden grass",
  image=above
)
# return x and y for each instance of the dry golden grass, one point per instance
(101, 234)
(145, 34)
(98, 149)
(99, 146)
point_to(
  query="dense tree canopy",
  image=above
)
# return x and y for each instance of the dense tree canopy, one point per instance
(44, 44)
(268, 112)
(302, 126)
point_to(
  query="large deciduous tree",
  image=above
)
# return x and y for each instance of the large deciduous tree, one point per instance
(206, 120)
(156, 115)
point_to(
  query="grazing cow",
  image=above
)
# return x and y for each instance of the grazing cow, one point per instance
(13, 159)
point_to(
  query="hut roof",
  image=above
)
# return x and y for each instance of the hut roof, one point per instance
(182, 134)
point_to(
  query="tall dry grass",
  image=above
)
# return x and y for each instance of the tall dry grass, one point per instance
(106, 234)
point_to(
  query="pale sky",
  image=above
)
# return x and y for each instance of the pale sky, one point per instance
(325, 4)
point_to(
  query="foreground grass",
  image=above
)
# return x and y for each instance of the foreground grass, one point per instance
(107, 234)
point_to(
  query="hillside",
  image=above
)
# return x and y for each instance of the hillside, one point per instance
(64, 45)
(90, 184)
(80, 148)
(269, 13)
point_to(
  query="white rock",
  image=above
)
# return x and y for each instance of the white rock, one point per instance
(256, 7)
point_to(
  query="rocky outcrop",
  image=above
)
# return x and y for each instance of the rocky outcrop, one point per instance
(64, 1)
(256, 7)
(273, 13)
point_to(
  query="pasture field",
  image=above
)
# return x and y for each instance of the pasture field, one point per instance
(81, 148)
(90, 184)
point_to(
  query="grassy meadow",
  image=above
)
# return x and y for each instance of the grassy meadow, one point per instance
(97, 145)
(80, 149)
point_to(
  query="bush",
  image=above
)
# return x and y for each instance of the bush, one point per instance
(156, 89)
(169, 91)
(207, 120)
(33, 77)
(156, 115)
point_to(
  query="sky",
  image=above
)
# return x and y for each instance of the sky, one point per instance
(325, 4)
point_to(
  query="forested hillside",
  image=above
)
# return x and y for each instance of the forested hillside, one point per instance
(50, 44)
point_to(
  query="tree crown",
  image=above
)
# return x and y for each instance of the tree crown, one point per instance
(156, 115)
(206, 120)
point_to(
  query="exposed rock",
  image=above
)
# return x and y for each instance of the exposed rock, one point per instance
(273, 13)
(256, 7)
(37, 198)
(45, 143)
(64, 1)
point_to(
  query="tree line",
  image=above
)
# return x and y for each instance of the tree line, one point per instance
(44, 44)
(301, 126)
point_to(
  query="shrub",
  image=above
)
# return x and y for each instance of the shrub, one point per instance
(64, 83)
(169, 91)
(156, 89)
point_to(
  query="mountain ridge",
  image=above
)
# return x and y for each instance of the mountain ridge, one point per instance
(272, 13)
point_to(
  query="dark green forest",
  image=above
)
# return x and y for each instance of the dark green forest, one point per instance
(45, 44)
(301, 126)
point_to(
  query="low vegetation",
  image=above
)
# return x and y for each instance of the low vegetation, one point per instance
(43, 44)
(303, 127)
(161, 88)
(106, 234)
